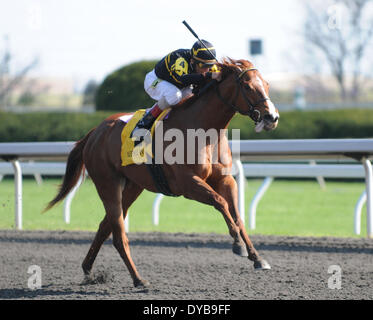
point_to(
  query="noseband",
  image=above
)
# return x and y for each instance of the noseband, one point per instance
(252, 111)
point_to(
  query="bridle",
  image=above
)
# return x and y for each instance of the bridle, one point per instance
(252, 111)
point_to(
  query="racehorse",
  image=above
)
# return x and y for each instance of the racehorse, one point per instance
(243, 90)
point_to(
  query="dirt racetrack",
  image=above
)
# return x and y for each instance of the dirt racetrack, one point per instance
(184, 267)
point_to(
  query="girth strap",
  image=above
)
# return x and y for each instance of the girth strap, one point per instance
(158, 176)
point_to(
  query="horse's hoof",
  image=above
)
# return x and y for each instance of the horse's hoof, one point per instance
(141, 283)
(261, 265)
(240, 250)
(86, 271)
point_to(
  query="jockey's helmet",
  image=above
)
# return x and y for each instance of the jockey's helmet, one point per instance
(202, 55)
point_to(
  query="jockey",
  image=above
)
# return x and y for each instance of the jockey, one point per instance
(173, 76)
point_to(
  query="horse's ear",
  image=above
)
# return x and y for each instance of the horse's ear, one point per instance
(228, 62)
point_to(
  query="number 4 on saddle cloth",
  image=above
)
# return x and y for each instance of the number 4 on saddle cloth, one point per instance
(138, 150)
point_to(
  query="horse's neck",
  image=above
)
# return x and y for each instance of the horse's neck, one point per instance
(210, 112)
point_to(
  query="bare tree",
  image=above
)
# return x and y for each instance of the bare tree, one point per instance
(9, 81)
(342, 30)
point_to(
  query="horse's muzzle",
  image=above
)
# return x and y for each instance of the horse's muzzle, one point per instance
(270, 121)
(271, 118)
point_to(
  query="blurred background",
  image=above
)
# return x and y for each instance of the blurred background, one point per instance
(87, 56)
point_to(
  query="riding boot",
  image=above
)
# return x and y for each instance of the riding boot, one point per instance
(145, 124)
(148, 118)
(146, 121)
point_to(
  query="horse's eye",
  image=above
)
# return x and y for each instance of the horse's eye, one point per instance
(246, 86)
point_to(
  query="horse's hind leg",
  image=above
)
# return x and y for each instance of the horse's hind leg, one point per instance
(110, 191)
(129, 195)
(121, 243)
(104, 229)
(102, 234)
(113, 206)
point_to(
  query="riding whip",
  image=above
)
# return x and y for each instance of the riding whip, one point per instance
(196, 36)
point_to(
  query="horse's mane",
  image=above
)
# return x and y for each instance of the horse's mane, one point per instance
(227, 66)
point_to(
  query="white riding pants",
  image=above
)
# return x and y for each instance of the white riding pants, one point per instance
(159, 89)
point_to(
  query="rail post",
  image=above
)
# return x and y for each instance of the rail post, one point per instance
(156, 204)
(241, 179)
(369, 192)
(69, 199)
(254, 203)
(358, 211)
(18, 193)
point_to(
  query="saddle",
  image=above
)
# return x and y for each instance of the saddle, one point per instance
(142, 152)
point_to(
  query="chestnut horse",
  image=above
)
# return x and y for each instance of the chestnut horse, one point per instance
(242, 89)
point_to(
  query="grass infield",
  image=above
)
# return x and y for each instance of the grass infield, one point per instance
(289, 207)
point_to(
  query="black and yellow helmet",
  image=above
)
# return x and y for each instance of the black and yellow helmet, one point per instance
(202, 55)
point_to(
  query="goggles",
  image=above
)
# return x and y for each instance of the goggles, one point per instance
(202, 65)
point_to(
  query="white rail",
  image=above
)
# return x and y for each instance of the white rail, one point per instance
(39, 169)
(294, 170)
(271, 171)
(359, 149)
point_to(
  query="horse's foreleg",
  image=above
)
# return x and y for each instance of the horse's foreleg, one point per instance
(199, 190)
(227, 188)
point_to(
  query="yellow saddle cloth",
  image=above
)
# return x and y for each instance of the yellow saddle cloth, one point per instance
(131, 154)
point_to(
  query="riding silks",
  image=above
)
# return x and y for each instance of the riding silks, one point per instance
(131, 151)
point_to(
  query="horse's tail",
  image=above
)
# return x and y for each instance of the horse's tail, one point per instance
(74, 168)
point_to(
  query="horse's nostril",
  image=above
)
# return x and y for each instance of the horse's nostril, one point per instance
(270, 118)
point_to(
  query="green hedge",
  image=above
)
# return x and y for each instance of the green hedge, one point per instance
(292, 125)
(42, 126)
(123, 89)
(332, 124)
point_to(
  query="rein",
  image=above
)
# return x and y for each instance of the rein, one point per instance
(252, 111)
